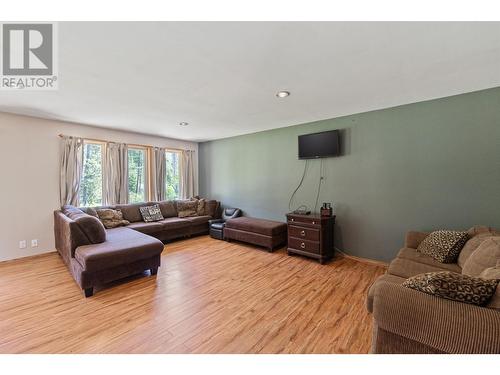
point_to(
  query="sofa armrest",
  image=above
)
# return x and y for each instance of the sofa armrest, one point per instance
(213, 221)
(413, 238)
(445, 325)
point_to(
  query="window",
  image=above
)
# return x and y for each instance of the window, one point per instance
(136, 175)
(91, 181)
(172, 179)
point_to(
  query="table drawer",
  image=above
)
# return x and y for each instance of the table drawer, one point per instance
(303, 233)
(303, 245)
(304, 220)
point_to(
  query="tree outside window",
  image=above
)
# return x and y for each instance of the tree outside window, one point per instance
(136, 175)
(173, 175)
(91, 181)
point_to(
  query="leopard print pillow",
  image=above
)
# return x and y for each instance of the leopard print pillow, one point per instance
(443, 245)
(187, 208)
(454, 286)
(111, 218)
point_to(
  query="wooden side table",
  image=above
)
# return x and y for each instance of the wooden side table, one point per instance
(311, 235)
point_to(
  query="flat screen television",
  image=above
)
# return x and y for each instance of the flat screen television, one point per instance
(319, 145)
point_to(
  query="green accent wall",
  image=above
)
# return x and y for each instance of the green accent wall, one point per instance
(422, 166)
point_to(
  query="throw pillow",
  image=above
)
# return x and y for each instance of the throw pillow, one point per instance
(187, 208)
(200, 208)
(151, 213)
(485, 256)
(454, 286)
(443, 245)
(111, 218)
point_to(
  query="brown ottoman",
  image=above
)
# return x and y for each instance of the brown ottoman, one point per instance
(267, 233)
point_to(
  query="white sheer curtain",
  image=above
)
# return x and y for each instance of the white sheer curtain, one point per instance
(158, 174)
(70, 167)
(115, 174)
(187, 181)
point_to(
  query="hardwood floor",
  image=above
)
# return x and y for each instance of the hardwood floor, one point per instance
(209, 296)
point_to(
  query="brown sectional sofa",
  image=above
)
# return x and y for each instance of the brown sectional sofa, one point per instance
(95, 255)
(410, 321)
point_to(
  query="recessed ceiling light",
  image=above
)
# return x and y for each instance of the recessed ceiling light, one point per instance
(183, 123)
(283, 94)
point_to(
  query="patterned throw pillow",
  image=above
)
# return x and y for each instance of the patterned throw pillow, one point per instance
(200, 207)
(151, 213)
(443, 245)
(454, 286)
(111, 218)
(187, 208)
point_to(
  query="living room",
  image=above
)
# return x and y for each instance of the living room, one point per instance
(292, 187)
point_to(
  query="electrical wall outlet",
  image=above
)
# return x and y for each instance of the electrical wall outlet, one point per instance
(22, 244)
(34, 243)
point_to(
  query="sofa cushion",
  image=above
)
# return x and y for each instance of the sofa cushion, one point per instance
(146, 228)
(151, 213)
(123, 246)
(443, 245)
(482, 229)
(187, 208)
(493, 273)
(196, 220)
(168, 208)
(90, 211)
(485, 256)
(91, 226)
(211, 207)
(254, 225)
(470, 246)
(454, 286)
(384, 278)
(131, 212)
(407, 268)
(415, 256)
(111, 218)
(174, 223)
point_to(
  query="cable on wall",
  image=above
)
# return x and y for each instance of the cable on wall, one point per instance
(298, 187)
(321, 178)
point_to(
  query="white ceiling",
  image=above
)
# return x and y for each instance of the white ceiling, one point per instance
(222, 77)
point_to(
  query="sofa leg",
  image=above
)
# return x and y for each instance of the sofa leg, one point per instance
(89, 292)
(154, 271)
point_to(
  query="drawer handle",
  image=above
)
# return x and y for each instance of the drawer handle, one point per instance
(303, 245)
(291, 219)
(314, 222)
(303, 233)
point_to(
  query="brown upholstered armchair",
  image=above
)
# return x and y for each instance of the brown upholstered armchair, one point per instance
(217, 225)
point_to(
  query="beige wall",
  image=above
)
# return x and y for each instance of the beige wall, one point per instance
(29, 187)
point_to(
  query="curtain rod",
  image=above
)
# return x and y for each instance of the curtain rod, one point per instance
(130, 144)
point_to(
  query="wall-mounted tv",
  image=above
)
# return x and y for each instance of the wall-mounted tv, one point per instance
(319, 145)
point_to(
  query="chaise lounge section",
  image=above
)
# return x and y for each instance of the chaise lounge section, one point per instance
(95, 255)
